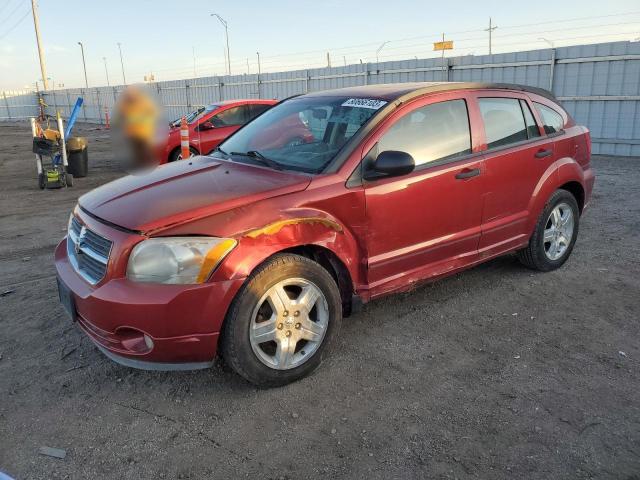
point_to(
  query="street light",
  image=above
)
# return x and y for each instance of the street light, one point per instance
(378, 51)
(105, 69)
(226, 34)
(124, 80)
(84, 66)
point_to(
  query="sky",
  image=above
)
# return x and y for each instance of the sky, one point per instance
(161, 37)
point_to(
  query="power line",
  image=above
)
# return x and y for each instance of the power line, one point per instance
(15, 25)
(10, 14)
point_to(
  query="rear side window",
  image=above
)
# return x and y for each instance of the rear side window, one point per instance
(553, 121)
(231, 116)
(257, 109)
(434, 132)
(532, 127)
(503, 121)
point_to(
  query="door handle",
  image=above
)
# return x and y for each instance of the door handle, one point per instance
(543, 153)
(468, 173)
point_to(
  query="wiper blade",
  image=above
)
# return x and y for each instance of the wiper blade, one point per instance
(260, 158)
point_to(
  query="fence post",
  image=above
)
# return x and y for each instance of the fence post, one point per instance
(84, 105)
(366, 73)
(553, 65)
(68, 103)
(186, 92)
(6, 103)
(306, 81)
(99, 107)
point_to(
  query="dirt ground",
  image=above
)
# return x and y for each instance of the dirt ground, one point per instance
(495, 373)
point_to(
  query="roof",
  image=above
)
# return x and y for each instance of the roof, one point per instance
(395, 91)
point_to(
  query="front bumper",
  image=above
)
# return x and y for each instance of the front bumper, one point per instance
(181, 322)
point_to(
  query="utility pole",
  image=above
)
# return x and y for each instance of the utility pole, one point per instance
(490, 29)
(328, 60)
(84, 66)
(258, 54)
(226, 33)
(248, 72)
(378, 52)
(106, 71)
(124, 80)
(36, 24)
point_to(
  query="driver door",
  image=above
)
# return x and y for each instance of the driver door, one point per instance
(224, 123)
(426, 223)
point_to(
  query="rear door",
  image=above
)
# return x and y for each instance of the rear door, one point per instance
(517, 156)
(225, 122)
(427, 222)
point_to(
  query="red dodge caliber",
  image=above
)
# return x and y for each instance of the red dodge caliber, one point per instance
(259, 250)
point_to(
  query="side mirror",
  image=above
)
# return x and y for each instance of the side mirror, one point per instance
(391, 163)
(206, 126)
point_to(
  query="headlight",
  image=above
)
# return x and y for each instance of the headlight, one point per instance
(177, 259)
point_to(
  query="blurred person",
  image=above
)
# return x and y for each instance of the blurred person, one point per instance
(135, 123)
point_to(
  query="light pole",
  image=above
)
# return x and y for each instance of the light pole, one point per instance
(84, 66)
(106, 71)
(124, 80)
(226, 34)
(378, 52)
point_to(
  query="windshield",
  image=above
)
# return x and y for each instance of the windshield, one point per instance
(304, 133)
(195, 115)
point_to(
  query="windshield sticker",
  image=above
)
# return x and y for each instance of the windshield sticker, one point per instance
(364, 103)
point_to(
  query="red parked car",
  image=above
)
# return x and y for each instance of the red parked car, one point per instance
(259, 250)
(209, 126)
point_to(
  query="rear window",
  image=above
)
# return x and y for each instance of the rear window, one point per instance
(552, 120)
(503, 121)
(437, 131)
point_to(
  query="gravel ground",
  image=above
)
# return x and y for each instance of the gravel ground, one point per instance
(497, 372)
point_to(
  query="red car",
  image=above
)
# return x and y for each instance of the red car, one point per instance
(259, 250)
(209, 126)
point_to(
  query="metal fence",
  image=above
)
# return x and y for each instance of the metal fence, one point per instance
(598, 84)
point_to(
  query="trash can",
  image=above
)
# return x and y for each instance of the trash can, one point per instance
(77, 157)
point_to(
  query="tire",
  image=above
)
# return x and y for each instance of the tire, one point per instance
(42, 182)
(177, 154)
(69, 179)
(258, 313)
(550, 252)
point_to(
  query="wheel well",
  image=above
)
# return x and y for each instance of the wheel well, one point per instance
(330, 262)
(577, 191)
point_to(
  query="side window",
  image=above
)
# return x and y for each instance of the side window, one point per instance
(231, 116)
(532, 127)
(257, 109)
(552, 120)
(433, 132)
(503, 121)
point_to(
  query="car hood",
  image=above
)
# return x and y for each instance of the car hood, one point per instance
(186, 190)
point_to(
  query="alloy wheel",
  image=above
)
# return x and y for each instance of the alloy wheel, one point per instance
(289, 323)
(558, 231)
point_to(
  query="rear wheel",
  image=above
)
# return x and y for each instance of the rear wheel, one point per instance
(282, 321)
(555, 234)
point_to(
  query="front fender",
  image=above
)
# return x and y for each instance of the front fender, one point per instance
(294, 228)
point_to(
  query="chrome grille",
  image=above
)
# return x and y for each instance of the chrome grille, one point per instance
(87, 251)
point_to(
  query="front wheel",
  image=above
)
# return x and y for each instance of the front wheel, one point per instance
(555, 234)
(177, 154)
(282, 321)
